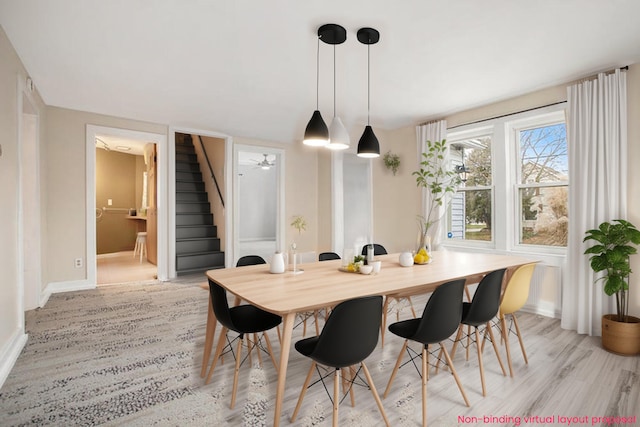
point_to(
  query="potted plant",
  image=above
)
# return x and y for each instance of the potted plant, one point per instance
(392, 162)
(615, 241)
(440, 182)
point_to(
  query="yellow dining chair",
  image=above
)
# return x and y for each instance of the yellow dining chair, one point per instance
(513, 299)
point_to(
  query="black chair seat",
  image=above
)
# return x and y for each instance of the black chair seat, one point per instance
(307, 345)
(249, 319)
(405, 329)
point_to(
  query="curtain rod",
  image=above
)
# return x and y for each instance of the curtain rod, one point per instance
(507, 115)
(625, 68)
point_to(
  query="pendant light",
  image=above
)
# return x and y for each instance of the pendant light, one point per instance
(338, 136)
(368, 146)
(316, 134)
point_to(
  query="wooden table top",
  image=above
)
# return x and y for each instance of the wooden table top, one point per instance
(322, 284)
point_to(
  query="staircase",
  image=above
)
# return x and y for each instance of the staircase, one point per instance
(197, 242)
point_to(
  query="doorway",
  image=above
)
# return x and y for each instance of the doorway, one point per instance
(119, 157)
(125, 210)
(259, 217)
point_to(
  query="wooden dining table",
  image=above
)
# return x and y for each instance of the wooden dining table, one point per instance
(323, 284)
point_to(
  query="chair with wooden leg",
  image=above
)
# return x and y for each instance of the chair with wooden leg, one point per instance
(479, 313)
(348, 337)
(439, 321)
(514, 298)
(378, 249)
(243, 319)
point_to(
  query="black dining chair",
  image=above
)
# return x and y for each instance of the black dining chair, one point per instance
(479, 313)
(328, 256)
(243, 319)
(250, 260)
(349, 336)
(439, 321)
(377, 249)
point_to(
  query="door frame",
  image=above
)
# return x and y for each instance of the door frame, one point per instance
(171, 188)
(160, 140)
(280, 184)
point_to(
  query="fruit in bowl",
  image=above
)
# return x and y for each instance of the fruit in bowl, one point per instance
(422, 257)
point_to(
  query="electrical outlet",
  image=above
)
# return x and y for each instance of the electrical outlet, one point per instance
(78, 262)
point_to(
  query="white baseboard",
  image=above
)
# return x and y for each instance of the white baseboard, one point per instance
(76, 285)
(10, 352)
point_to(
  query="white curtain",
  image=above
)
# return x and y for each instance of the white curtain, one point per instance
(435, 131)
(597, 141)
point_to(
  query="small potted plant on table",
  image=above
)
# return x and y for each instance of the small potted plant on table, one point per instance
(615, 242)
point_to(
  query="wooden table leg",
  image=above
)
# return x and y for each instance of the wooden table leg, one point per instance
(212, 322)
(287, 332)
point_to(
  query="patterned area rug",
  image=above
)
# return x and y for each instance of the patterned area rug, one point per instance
(130, 355)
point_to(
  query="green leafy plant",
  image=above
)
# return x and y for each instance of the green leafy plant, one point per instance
(438, 179)
(299, 223)
(615, 242)
(392, 161)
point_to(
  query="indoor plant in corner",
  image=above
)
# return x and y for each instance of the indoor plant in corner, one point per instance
(615, 241)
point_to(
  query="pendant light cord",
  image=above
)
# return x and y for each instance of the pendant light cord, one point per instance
(318, 75)
(368, 83)
(334, 80)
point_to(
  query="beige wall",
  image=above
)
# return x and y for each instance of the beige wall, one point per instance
(633, 174)
(66, 195)
(11, 305)
(215, 148)
(117, 177)
(10, 68)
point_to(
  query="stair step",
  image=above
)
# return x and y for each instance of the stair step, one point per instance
(205, 260)
(186, 157)
(195, 231)
(191, 196)
(193, 207)
(189, 186)
(194, 219)
(185, 148)
(197, 245)
(198, 270)
(189, 175)
(187, 167)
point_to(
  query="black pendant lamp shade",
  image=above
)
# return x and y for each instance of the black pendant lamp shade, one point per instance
(317, 132)
(368, 146)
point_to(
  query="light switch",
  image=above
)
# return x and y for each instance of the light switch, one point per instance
(109, 202)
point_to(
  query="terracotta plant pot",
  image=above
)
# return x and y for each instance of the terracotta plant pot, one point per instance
(621, 337)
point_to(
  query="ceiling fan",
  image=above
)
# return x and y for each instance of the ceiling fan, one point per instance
(265, 163)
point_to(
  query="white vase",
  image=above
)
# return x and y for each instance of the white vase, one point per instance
(277, 263)
(406, 259)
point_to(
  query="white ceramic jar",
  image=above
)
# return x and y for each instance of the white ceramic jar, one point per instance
(406, 259)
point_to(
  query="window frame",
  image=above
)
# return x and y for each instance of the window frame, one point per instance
(505, 187)
(452, 139)
(514, 127)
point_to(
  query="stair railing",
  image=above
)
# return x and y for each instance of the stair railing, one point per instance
(215, 181)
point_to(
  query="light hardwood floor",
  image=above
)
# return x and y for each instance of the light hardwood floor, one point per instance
(122, 267)
(568, 375)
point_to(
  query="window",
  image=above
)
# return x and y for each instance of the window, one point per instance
(517, 183)
(470, 214)
(543, 184)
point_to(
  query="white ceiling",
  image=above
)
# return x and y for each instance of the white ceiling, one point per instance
(248, 68)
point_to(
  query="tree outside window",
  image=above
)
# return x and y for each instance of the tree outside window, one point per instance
(543, 185)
